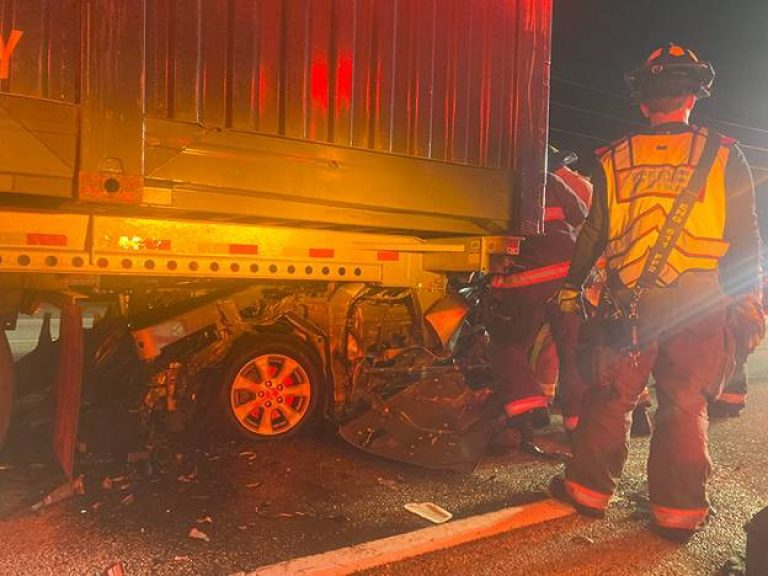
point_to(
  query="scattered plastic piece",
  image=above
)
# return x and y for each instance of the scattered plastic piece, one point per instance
(205, 520)
(128, 500)
(253, 485)
(430, 511)
(198, 535)
(114, 570)
(387, 482)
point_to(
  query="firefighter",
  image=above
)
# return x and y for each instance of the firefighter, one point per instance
(523, 301)
(559, 163)
(553, 355)
(664, 308)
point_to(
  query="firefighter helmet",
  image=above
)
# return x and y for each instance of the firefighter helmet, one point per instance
(558, 158)
(671, 70)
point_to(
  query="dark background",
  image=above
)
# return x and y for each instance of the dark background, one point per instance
(596, 41)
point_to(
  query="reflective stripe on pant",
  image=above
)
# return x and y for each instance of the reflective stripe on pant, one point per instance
(517, 407)
(546, 364)
(684, 519)
(586, 497)
(688, 360)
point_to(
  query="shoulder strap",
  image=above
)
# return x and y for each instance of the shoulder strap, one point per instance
(678, 215)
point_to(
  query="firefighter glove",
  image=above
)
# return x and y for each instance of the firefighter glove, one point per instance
(569, 299)
(747, 321)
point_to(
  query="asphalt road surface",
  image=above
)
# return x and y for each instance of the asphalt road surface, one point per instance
(259, 504)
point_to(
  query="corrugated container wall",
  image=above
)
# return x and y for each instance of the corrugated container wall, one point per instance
(427, 78)
(415, 115)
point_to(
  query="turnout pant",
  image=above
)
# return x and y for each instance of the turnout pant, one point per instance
(687, 349)
(566, 329)
(521, 312)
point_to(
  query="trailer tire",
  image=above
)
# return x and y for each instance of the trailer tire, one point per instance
(272, 387)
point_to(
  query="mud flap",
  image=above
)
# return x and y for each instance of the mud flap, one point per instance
(6, 386)
(68, 383)
(437, 423)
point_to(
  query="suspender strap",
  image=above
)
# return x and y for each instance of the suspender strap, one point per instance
(678, 215)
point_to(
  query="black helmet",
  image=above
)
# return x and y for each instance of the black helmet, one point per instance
(671, 70)
(557, 158)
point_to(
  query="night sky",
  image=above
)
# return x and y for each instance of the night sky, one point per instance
(596, 41)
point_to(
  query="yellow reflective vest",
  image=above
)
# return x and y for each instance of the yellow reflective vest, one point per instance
(644, 174)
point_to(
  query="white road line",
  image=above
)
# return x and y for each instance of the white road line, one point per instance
(386, 550)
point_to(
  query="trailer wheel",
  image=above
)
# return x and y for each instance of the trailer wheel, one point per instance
(272, 387)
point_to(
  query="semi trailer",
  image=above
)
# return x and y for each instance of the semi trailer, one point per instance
(278, 200)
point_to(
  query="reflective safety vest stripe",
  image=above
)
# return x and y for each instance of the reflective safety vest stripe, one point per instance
(553, 213)
(581, 185)
(587, 497)
(685, 519)
(644, 174)
(532, 276)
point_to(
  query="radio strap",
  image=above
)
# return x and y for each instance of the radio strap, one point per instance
(669, 234)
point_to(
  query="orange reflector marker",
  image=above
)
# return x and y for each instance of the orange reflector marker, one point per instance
(139, 243)
(250, 249)
(321, 252)
(388, 256)
(46, 240)
(153, 244)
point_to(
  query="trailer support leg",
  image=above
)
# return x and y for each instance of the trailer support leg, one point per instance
(6, 386)
(69, 382)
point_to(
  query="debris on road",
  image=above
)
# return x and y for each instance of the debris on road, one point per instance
(128, 500)
(253, 485)
(430, 511)
(391, 484)
(107, 483)
(114, 570)
(583, 540)
(67, 490)
(186, 478)
(198, 535)
(205, 520)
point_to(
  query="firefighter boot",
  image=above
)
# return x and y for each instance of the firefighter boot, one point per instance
(525, 424)
(641, 422)
(558, 490)
(540, 417)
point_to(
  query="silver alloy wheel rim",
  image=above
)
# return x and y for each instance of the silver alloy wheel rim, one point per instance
(270, 394)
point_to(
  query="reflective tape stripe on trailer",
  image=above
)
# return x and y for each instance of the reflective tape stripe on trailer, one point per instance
(33, 239)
